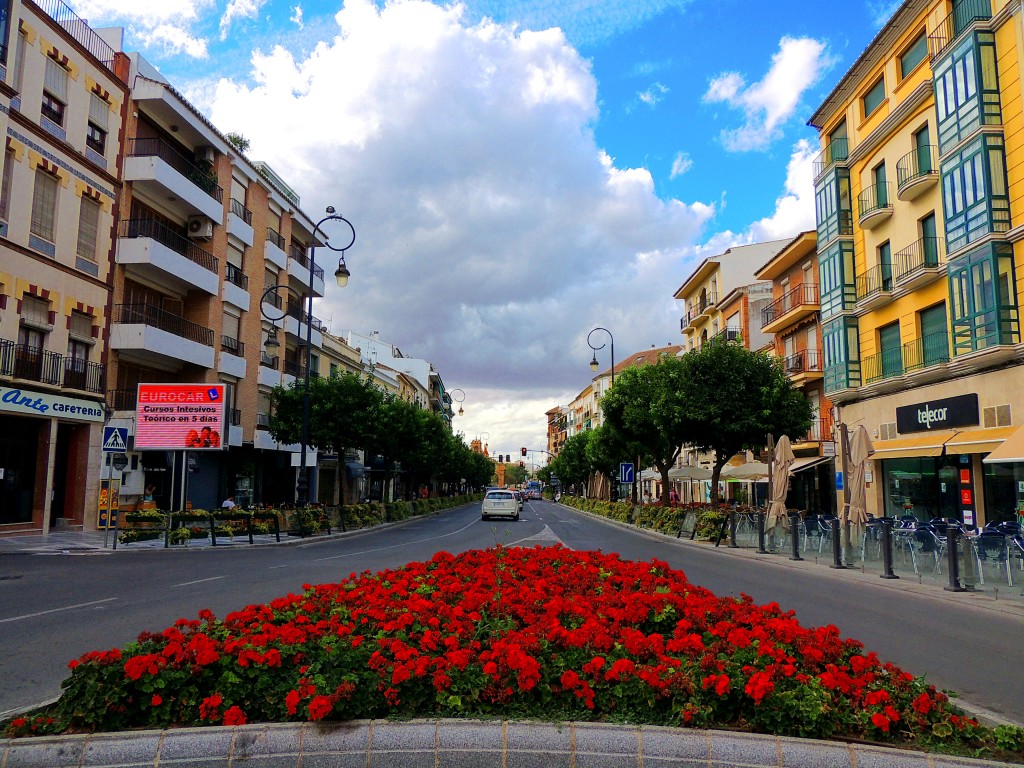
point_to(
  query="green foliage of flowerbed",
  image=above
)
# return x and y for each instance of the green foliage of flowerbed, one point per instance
(544, 632)
(653, 516)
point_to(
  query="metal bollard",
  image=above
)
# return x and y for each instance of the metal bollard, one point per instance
(887, 549)
(732, 530)
(837, 546)
(760, 534)
(951, 560)
(794, 535)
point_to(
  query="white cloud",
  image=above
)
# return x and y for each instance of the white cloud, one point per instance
(653, 94)
(771, 102)
(166, 25)
(794, 210)
(681, 164)
(296, 17)
(239, 9)
(492, 232)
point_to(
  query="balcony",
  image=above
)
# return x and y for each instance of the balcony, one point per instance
(83, 375)
(79, 30)
(159, 254)
(965, 13)
(837, 151)
(294, 368)
(123, 399)
(262, 421)
(803, 366)
(20, 361)
(874, 287)
(874, 205)
(295, 324)
(916, 173)
(887, 364)
(298, 271)
(232, 357)
(240, 222)
(728, 334)
(926, 352)
(269, 361)
(918, 264)
(273, 249)
(820, 431)
(150, 334)
(235, 289)
(794, 305)
(164, 172)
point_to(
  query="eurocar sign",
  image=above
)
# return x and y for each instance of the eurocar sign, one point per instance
(180, 417)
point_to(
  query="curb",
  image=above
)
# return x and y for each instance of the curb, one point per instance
(423, 743)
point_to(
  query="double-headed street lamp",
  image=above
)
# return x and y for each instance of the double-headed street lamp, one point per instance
(594, 365)
(341, 274)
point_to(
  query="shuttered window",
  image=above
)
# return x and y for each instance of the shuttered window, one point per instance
(35, 311)
(81, 325)
(56, 80)
(44, 205)
(88, 228)
(99, 111)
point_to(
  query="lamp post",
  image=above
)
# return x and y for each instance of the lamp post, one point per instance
(341, 274)
(459, 400)
(593, 361)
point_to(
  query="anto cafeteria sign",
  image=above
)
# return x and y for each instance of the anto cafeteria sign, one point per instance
(29, 403)
(180, 417)
(944, 413)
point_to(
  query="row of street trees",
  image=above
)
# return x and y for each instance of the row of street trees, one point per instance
(721, 398)
(348, 412)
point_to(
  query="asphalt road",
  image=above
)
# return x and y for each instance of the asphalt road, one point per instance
(54, 608)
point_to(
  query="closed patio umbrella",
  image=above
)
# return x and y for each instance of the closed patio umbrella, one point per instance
(860, 449)
(781, 462)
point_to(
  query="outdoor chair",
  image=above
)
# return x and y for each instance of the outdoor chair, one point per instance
(925, 543)
(825, 528)
(812, 531)
(993, 549)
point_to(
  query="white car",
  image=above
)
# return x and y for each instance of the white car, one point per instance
(499, 503)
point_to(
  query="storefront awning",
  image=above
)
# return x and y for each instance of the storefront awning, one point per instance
(1012, 449)
(928, 444)
(799, 465)
(978, 440)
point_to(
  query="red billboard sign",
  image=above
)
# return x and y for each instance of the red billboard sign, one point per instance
(180, 417)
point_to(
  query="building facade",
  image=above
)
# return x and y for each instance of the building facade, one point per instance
(919, 222)
(63, 96)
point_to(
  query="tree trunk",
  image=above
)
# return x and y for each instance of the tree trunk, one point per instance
(716, 474)
(663, 469)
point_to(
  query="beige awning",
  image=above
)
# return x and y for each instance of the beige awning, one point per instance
(1011, 450)
(799, 465)
(928, 444)
(978, 440)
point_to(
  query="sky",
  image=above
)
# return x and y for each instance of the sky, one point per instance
(518, 172)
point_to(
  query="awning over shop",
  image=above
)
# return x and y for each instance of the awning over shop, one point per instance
(807, 462)
(1012, 449)
(978, 440)
(355, 469)
(927, 444)
(650, 474)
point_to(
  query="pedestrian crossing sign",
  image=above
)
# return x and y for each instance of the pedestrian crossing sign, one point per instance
(115, 439)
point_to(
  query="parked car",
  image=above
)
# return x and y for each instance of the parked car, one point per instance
(499, 503)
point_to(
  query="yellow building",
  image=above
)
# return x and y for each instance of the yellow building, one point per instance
(918, 195)
(62, 106)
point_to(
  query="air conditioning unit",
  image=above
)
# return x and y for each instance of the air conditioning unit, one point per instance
(206, 154)
(200, 227)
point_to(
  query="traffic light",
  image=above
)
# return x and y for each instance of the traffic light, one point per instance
(522, 465)
(522, 451)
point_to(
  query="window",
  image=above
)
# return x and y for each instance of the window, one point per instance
(96, 132)
(967, 90)
(983, 310)
(44, 205)
(80, 341)
(874, 97)
(885, 265)
(95, 138)
(890, 351)
(53, 109)
(19, 62)
(922, 145)
(55, 91)
(5, 189)
(914, 55)
(878, 177)
(88, 228)
(231, 330)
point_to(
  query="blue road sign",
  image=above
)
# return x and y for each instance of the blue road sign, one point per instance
(839, 481)
(115, 439)
(627, 474)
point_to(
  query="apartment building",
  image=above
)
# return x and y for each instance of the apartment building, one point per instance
(792, 320)
(729, 274)
(62, 107)
(919, 224)
(211, 278)
(557, 420)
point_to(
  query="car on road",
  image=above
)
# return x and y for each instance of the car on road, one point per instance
(499, 503)
(520, 498)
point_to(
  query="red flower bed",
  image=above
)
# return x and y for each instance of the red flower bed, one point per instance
(544, 632)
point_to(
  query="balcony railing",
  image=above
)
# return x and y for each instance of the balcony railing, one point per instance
(274, 236)
(294, 368)
(269, 361)
(728, 334)
(876, 280)
(821, 429)
(798, 295)
(166, 236)
(965, 12)
(804, 361)
(915, 165)
(926, 351)
(147, 314)
(236, 276)
(236, 417)
(122, 399)
(79, 30)
(874, 198)
(232, 346)
(238, 208)
(886, 364)
(184, 165)
(837, 151)
(924, 254)
(296, 311)
(262, 420)
(299, 255)
(34, 364)
(81, 374)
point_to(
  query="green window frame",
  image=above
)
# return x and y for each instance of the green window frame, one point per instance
(975, 198)
(914, 55)
(833, 205)
(837, 284)
(873, 99)
(967, 89)
(840, 343)
(983, 300)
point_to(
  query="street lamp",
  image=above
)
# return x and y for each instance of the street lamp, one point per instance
(593, 362)
(341, 274)
(451, 393)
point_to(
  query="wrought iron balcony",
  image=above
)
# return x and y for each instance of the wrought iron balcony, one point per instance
(886, 364)
(299, 255)
(79, 29)
(81, 374)
(923, 255)
(874, 203)
(269, 361)
(926, 351)
(237, 277)
(294, 368)
(123, 399)
(873, 284)
(166, 236)
(837, 151)
(236, 417)
(804, 295)
(238, 208)
(232, 346)
(803, 361)
(916, 171)
(22, 361)
(821, 429)
(203, 179)
(262, 420)
(146, 314)
(965, 13)
(274, 237)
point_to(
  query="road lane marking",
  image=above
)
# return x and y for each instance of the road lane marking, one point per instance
(396, 546)
(197, 581)
(57, 610)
